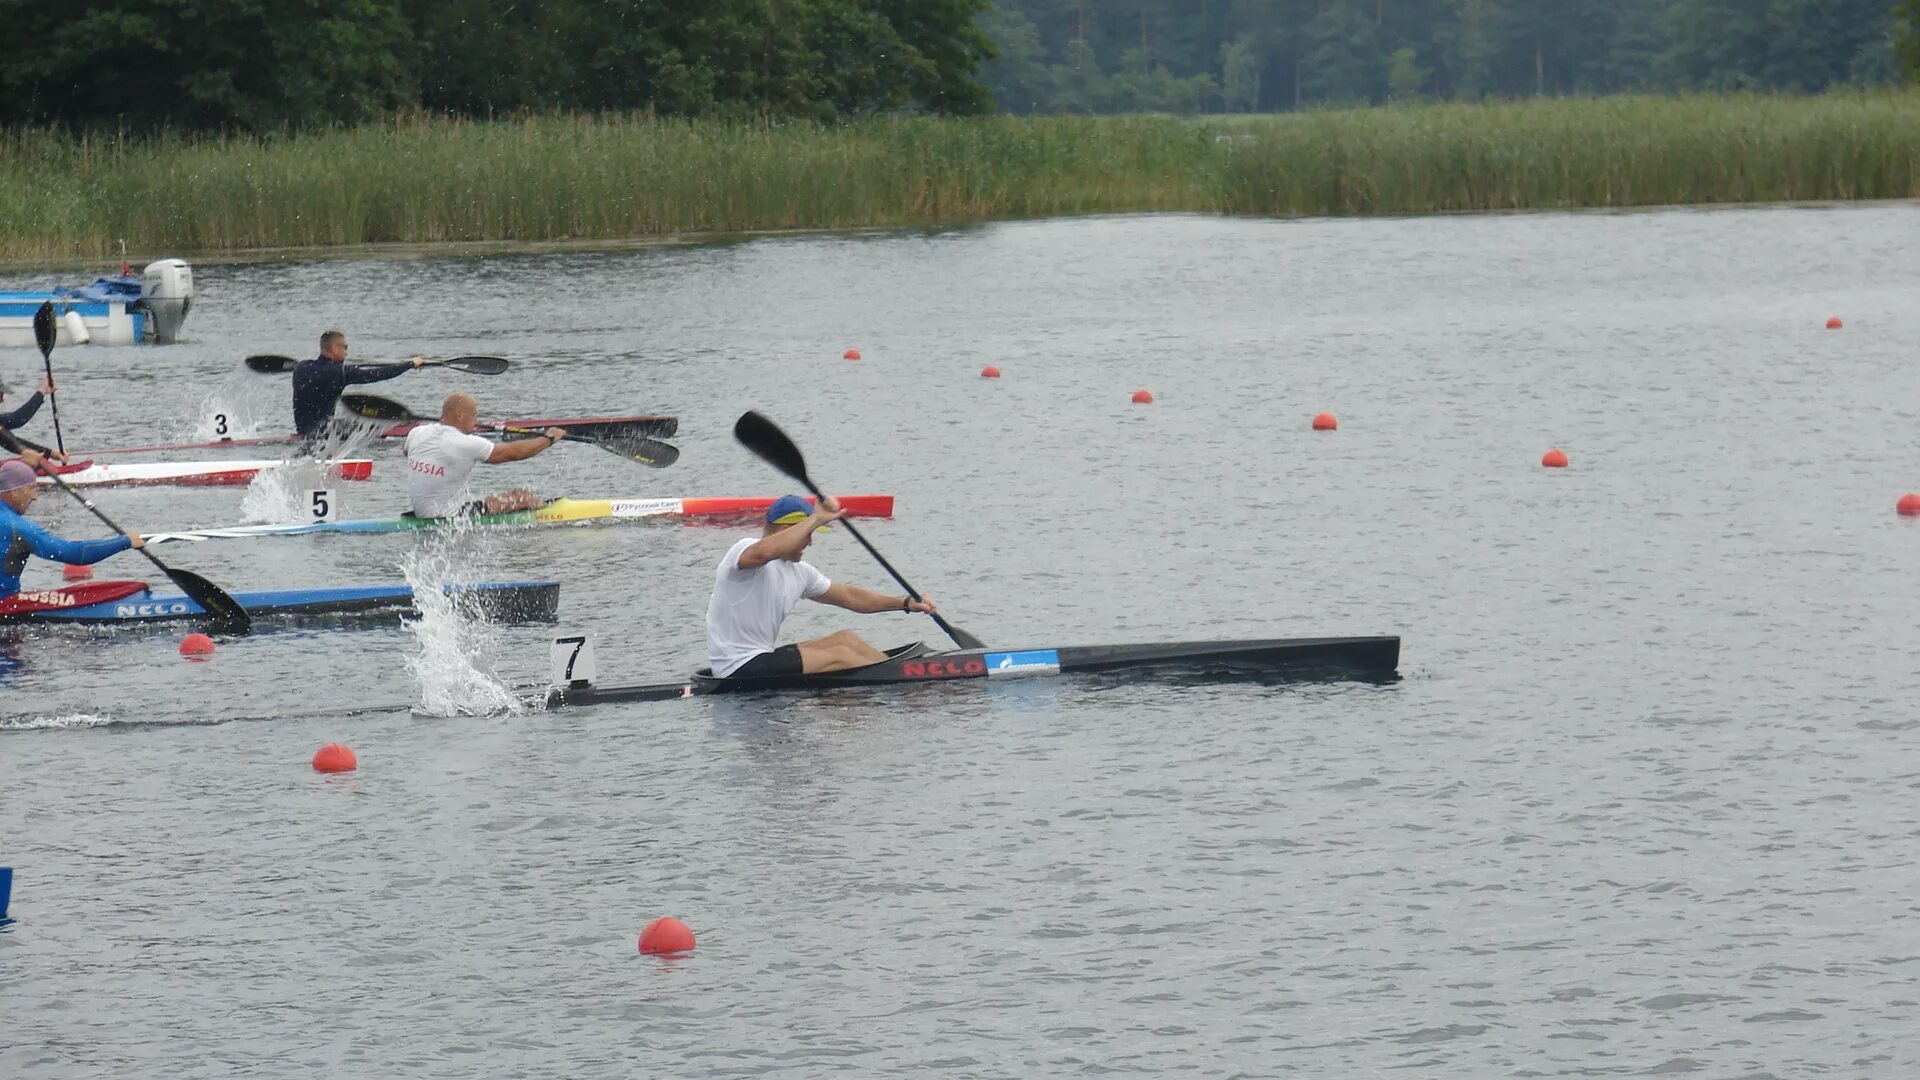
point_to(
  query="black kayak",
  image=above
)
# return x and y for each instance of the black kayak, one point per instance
(1364, 657)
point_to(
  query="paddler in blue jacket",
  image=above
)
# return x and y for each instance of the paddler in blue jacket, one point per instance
(23, 537)
(318, 383)
(13, 420)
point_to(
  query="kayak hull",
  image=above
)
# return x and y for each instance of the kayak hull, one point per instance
(193, 473)
(1362, 657)
(507, 601)
(558, 512)
(653, 427)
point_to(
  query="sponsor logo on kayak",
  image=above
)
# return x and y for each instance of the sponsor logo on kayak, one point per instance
(134, 611)
(1012, 665)
(643, 507)
(943, 669)
(47, 598)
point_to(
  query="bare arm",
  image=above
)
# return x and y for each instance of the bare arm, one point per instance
(868, 602)
(521, 449)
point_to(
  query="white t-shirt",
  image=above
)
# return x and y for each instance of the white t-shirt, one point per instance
(748, 606)
(439, 459)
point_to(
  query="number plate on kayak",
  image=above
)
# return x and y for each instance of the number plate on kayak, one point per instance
(1009, 665)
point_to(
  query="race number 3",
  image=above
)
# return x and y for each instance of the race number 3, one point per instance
(571, 660)
(322, 504)
(220, 425)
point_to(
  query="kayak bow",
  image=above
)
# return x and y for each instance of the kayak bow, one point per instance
(131, 602)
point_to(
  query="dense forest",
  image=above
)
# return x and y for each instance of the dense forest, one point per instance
(1266, 55)
(266, 65)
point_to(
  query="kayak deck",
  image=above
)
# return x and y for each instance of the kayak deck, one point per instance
(557, 512)
(191, 473)
(1297, 658)
(498, 601)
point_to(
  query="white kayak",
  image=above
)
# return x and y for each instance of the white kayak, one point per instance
(197, 473)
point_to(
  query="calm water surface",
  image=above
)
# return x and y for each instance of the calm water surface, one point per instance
(1643, 802)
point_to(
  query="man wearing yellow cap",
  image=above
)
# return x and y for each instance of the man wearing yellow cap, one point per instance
(21, 537)
(758, 583)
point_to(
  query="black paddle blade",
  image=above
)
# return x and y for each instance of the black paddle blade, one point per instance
(374, 407)
(475, 365)
(649, 452)
(43, 329)
(770, 444)
(224, 613)
(271, 365)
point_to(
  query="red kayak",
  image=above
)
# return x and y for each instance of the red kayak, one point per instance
(654, 427)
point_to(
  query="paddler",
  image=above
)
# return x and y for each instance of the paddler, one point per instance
(759, 581)
(23, 537)
(441, 456)
(14, 420)
(318, 383)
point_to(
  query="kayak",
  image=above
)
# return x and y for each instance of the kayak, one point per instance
(1376, 657)
(132, 602)
(653, 427)
(557, 512)
(190, 473)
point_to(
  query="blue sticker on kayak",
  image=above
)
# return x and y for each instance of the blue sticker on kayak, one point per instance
(1001, 665)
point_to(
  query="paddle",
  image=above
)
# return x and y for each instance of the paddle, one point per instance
(760, 435)
(472, 365)
(224, 614)
(614, 436)
(43, 333)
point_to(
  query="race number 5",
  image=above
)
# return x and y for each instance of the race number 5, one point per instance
(322, 505)
(570, 660)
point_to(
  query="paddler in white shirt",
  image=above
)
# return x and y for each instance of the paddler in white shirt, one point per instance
(758, 583)
(441, 456)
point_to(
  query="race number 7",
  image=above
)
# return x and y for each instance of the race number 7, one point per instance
(570, 660)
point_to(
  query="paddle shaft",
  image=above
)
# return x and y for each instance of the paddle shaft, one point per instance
(960, 637)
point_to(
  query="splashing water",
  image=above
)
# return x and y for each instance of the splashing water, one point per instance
(451, 666)
(279, 496)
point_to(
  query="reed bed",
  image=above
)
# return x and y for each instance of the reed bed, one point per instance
(557, 178)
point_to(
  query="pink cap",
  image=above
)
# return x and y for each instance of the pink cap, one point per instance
(15, 474)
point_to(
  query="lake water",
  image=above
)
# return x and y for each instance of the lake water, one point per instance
(1643, 802)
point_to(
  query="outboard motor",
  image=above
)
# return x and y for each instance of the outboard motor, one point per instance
(168, 293)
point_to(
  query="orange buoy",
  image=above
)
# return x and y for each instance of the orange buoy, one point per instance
(334, 757)
(1142, 397)
(850, 354)
(666, 935)
(76, 573)
(1555, 459)
(989, 372)
(1325, 422)
(196, 644)
(1909, 505)
(1834, 323)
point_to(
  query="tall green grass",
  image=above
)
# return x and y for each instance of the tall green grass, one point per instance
(606, 178)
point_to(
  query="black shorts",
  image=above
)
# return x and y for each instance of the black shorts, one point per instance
(784, 660)
(472, 509)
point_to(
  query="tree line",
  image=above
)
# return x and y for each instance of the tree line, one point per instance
(1091, 56)
(266, 65)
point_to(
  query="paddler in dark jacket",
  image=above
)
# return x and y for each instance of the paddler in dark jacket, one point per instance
(318, 383)
(21, 537)
(12, 421)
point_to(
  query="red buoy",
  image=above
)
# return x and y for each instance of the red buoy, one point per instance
(1142, 397)
(850, 354)
(666, 935)
(334, 757)
(76, 573)
(1909, 505)
(196, 644)
(989, 372)
(1555, 459)
(1834, 323)
(1325, 422)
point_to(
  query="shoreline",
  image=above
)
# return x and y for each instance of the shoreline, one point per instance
(402, 251)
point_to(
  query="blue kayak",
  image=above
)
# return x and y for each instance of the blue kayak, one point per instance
(115, 602)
